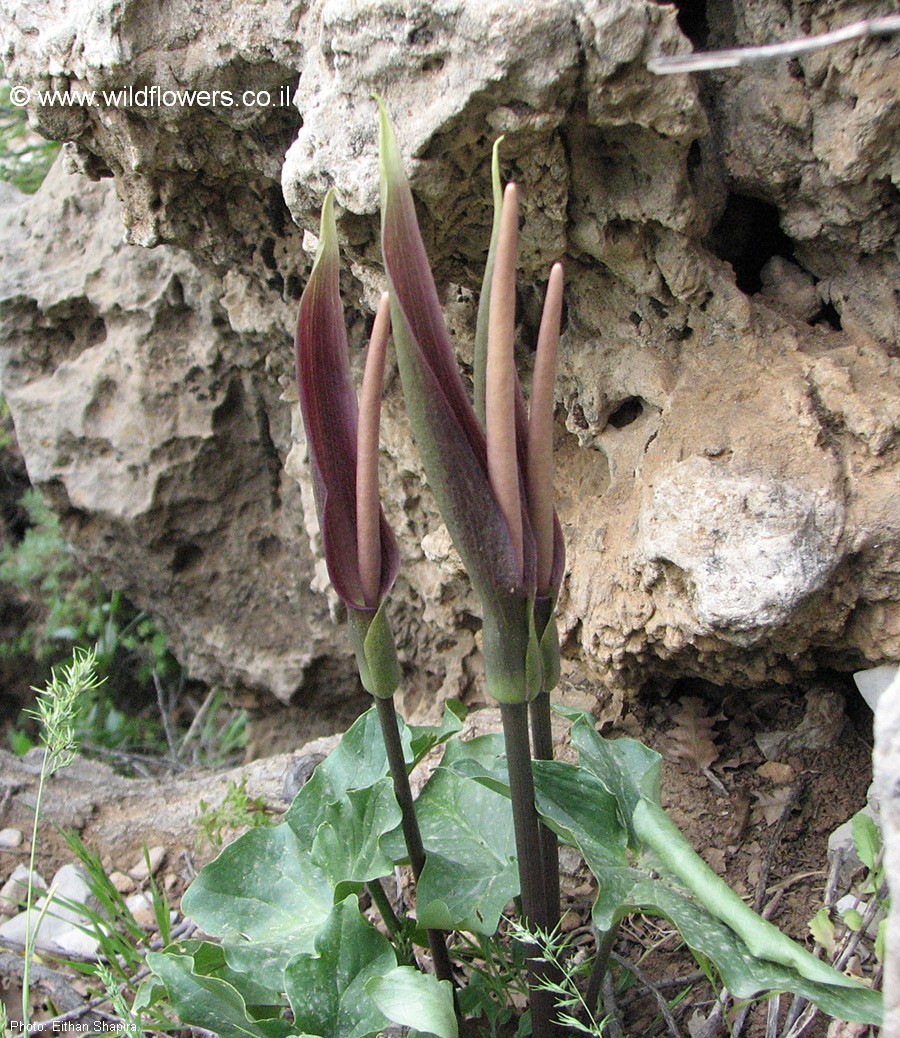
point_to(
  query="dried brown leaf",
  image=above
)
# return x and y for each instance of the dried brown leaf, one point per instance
(691, 740)
(715, 859)
(769, 806)
(779, 774)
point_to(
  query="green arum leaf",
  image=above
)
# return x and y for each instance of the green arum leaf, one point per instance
(209, 961)
(424, 738)
(347, 845)
(669, 878)
(584, 814)
(743, 973)
(267, 895)
(664, 843)
(327, 988)
(470, 868)
(357, 763)
(626, 768)
(413, 999)
(204, 993)
(264, 898)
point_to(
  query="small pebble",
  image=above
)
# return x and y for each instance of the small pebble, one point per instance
(15, 890)
(77, 942)
(170, 882)
(156, 855)
(70, 884)
(141, 908)
(10, 839)
(124, 884)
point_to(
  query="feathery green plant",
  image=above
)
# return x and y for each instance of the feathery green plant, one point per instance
(56, 711)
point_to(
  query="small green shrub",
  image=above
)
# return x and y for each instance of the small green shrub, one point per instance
(69, 611)
(237, 810)
(25, 157)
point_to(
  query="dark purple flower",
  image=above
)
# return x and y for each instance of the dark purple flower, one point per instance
(361, 552)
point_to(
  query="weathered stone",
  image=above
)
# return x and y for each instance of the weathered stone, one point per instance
(141, 907)
(728, 413)
(122, 882)
(57, 926)
(148, 865)
(14, 892)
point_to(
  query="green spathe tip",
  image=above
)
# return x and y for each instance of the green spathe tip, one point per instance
(376, 653)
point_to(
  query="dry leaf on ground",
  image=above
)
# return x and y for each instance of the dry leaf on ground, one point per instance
(769, 806)
(691, 740)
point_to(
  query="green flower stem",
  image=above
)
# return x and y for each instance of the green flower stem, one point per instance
(605, 944)
(383, 903)
(390, 730)
(542, 741)
(528, 849)
(32, 927)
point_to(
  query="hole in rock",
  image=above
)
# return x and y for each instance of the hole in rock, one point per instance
(267, 252)
(275, 209)
(627, 412)
(747, 236)
(269, 548)
(828, 315)
(692, 20)
(186, 557)
(420, 36)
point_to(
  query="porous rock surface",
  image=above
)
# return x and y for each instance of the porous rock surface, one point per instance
(728, 406)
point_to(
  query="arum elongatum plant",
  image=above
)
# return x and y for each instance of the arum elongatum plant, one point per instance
(479, 480)
(361, 551)
(497, 309)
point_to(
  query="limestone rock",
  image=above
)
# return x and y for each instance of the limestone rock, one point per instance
(14, 891)
(728, 414)
(146, 423)
(149, 865)
(59, 924)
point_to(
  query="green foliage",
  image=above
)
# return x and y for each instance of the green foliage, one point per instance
(572, 1010)
(470, 872)
(283, 900)
(496, 975)
(74, 609)
(58, 706)
(237, 810)
(415, 999)
(25, 157)
(56, 712)
(73, 612)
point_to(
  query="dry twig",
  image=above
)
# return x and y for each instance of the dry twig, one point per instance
(654, 989)
(704, 61)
